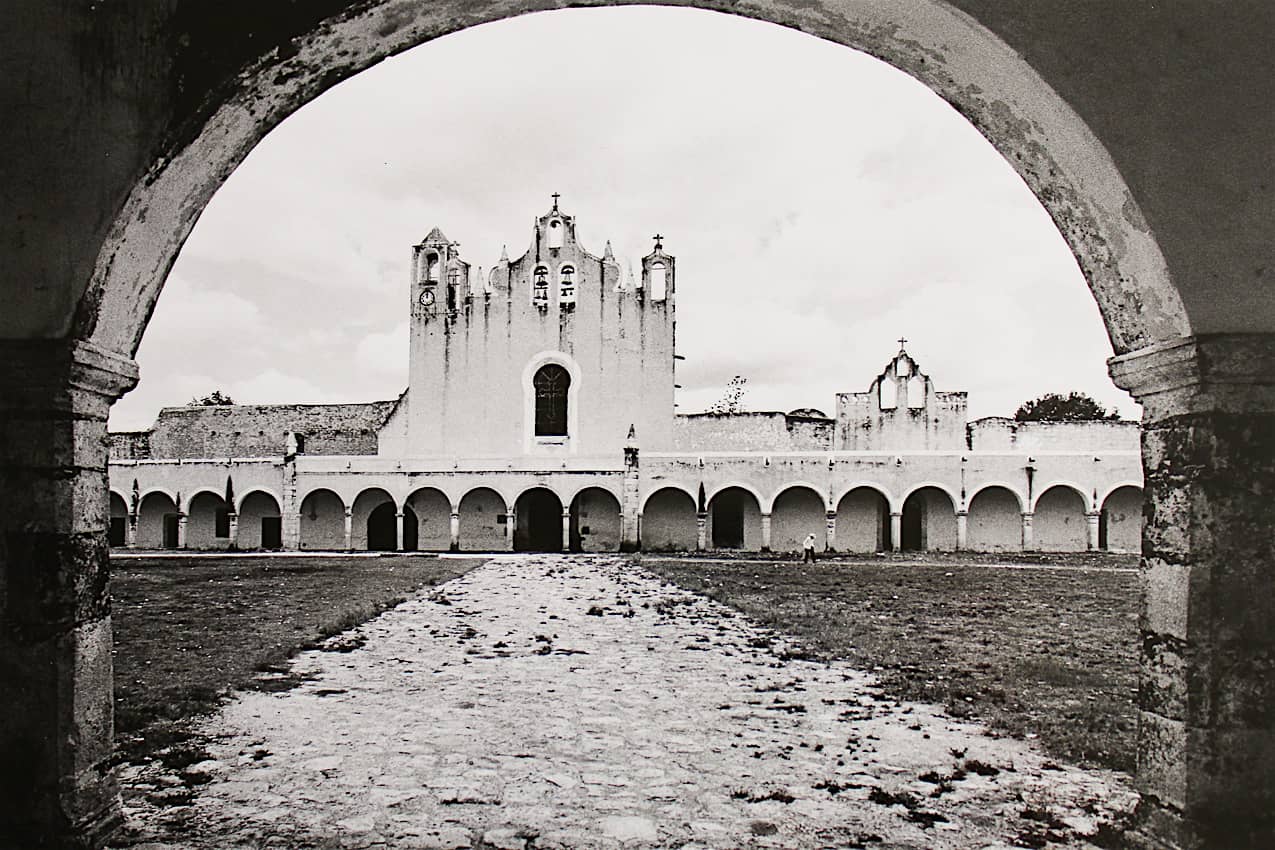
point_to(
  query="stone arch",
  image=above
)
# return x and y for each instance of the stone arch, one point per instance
(734, 518)
(322, 524)
(689, 491)
(796, 511)
(995, 519)
(595, 524)
(361, 526)
(951, 496)
(1120, 521)
(820, 492)
(949, 50)
(863, 520)
(538, 521)
(260, 521)
(207, 520)
(1058, 522)
(929, 520)
(668, 520)
(1081, 492)
(157, 517)
(1036, 131)
(484, 515)
(117, 512)
(753, 491)
(432, 510)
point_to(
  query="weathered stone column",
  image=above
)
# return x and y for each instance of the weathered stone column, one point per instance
(830, 532)
(1028, 543)
(57, 786)
(398, 531)
(765, 532)
(701, 531)
(349, 529)
(1206, 739)
(1091, 521)
(453, 530)
(132, 531)
(510, 524)
(234, 530)
(566, 529)
(181, 528)
(631, 502)
(962, 529)
(896, 530)
(290, 510)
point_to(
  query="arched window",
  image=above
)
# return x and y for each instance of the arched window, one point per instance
(430, 262)
(567, 285)
(659, 281)
(556, 231)
(551, 384)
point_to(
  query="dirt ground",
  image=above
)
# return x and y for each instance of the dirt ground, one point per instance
(551, 702)
(1034, 645)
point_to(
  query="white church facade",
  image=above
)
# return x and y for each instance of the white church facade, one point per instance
(539, 415)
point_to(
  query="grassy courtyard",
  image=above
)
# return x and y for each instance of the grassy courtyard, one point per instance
(189, 630)
(1037, 646)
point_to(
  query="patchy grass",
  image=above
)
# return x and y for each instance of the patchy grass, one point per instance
(1047, 649)
(188, 631)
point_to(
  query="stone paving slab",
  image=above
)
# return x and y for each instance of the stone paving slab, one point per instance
(544, 702)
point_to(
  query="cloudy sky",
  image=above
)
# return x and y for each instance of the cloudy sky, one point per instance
(820, 205)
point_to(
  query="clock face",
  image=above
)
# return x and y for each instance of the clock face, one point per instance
(427, 298)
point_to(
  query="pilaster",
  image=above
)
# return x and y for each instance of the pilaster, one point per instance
(55, 617)
(1029, 542)
(1206, 740)
(962, 528)
(830, 531)
(896, 530)
(765, 532)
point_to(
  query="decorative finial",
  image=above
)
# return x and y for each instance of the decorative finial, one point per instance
(659, 245)
(607, 254)
(556, 196)
(504, 253)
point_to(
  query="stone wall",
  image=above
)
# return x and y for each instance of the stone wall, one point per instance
(741, 432)
(999, 434)
(245, 430)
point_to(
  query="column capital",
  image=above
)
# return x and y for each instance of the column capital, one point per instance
(1230, 373)
(70, 374)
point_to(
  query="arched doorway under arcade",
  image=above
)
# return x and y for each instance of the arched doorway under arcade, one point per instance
(538, 518)
(595, 521)
(668, 521)
(863, 521)
(928, 522)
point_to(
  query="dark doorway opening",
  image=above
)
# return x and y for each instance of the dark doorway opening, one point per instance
(728, 520)
(1102, 529)
(538, 518)
(382, 528)
(411, 531)
(118, 534)
(271, 532)
(170, 530)
(887, 533)
(912, 533)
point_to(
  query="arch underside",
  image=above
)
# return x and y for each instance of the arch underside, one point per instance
(1056, 154)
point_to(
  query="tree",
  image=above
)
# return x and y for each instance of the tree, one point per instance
(213, 399)
(732, 401)
(1073, 407)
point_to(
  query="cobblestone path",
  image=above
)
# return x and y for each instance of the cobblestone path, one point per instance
(577, 702)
